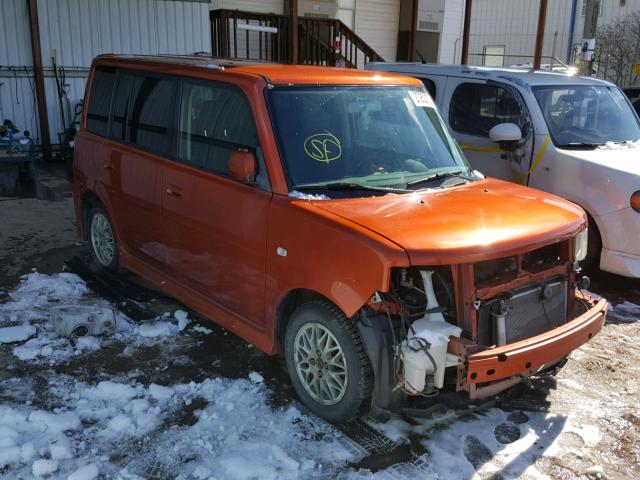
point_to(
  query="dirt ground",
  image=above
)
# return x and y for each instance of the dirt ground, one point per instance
(582, 423)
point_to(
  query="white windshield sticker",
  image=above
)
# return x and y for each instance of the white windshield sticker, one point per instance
(421, 99)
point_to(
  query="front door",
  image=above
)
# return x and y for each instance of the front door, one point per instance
(474, 107)
(214, 226)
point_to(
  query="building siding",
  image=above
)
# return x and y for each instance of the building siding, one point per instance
(73, 32)
(376, 21)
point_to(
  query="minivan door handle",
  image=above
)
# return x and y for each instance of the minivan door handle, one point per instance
(173, 191)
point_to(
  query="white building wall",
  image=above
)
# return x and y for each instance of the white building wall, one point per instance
(259, 6)
(75, 31)
(450, 46)
(514, 25)
(376, 22)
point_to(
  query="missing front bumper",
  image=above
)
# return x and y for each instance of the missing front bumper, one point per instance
(491, 371)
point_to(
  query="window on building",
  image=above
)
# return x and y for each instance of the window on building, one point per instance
(120, 108)
(583, 10)
(100, 101)
(493, 56)
(151, 112)
(476, 108)
(214, 120)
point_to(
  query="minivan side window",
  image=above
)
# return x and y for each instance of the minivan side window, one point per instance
(120, 109)
(430, 85)
(100, 101)
(476, 108)
(151, 113)
(214, 120)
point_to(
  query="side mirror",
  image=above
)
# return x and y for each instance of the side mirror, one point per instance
(505, 132)
(242, 166)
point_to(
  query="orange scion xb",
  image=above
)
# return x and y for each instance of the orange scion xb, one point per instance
(328, 215)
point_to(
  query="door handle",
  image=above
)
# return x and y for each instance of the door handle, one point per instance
(173, 192)
(107, 166)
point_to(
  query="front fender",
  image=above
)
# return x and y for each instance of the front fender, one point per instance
(309, 248)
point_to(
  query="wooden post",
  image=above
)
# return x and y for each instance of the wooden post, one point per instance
(542, 17)
(465, 33)
(414, 28)
(32, 6)
(293, 25)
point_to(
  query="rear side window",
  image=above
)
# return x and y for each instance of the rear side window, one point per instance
(100, 101)
(214, 120)
(151, 112)
(476, 108)
(430, 85)
(120, 109)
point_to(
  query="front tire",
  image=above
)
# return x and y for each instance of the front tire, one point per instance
(104, 246)
(328, 366)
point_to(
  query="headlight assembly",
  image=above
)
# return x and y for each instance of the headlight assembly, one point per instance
(580, 244)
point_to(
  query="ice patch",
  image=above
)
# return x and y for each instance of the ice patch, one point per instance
(88, 472)
(255, 377)
(307, 196)
(43, 467)
(160, 392)
(36, 291)
(157, 328)
(19, 333)
(181, 317)
(203, 330)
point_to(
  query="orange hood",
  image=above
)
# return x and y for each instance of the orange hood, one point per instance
(469, 223)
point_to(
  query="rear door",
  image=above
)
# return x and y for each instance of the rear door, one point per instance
(215, 226)
(472, 108)
(141, 124)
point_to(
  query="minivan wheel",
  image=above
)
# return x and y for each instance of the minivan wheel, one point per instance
(328, 366)
(103, 240)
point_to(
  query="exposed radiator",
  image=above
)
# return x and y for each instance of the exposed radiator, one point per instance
(529, 312)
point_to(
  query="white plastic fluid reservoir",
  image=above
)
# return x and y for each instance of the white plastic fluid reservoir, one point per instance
(433, 329)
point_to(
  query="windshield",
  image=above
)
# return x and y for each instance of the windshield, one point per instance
(376, 137)
(587, 116)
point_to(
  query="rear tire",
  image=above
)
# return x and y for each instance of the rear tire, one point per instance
(104, 246)
(326, 361)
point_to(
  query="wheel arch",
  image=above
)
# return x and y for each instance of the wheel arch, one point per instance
(288, 304)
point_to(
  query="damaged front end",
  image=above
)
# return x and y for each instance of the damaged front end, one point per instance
(479, 328)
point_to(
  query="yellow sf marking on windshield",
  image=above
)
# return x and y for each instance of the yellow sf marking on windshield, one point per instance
(323, 147)
(536, 162)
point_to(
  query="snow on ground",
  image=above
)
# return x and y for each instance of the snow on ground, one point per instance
(118, 426)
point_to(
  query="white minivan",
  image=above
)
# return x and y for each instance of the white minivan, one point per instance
(575, 137)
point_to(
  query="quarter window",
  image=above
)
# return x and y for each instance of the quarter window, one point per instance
(476, 108)
(214, 120)
(151, 113)
(100, 100)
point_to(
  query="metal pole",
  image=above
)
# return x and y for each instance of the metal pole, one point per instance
(414, 27)
(542, 17)
(293, 25)
(590, 27)
(32, 6)
(465, 33)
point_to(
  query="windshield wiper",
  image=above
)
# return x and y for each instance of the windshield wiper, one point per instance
(441, 176)
(347, 186)
(581, 145)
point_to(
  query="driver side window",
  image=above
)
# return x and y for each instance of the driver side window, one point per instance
(477, 107)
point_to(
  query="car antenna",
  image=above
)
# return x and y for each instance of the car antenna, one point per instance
(420, 55)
